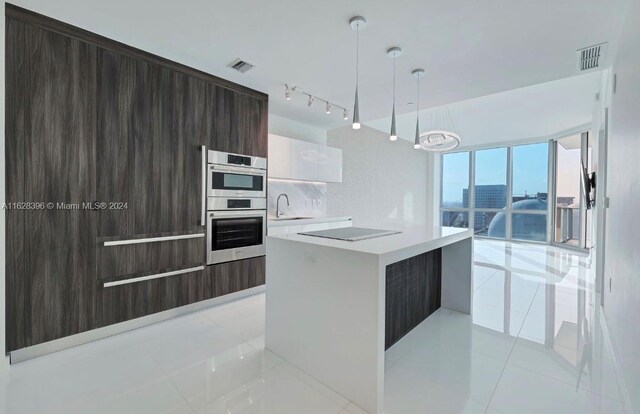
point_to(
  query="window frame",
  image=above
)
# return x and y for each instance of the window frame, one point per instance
(471, 209)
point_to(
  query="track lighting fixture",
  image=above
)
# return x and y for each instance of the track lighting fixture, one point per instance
(329, 106)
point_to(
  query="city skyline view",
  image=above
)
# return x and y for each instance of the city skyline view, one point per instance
(529, 181)
(529, 176)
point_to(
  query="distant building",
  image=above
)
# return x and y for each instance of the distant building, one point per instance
(486, 196)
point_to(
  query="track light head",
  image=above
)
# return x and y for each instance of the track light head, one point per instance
(310, 101)
(328, 108)
(345, 115)
(287, 92)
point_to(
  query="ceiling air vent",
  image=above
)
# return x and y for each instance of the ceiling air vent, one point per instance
(240, 65)
(591, 57)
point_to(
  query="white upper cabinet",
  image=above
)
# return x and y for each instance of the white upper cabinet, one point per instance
(279, 162)
(304, 160)
(329, 164)
(300, 160)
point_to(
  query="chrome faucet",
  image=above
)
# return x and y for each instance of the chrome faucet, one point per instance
(278, 214)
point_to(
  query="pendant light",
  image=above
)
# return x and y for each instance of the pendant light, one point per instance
(417, 73)
(394, 52)
(357, 23)
(440, 136)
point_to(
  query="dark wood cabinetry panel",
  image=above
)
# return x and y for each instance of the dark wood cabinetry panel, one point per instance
(397, 299)
(151, 125)
(90, 119)
(121, 303)
(188, 135)
(155, 257)
(15, 131)
(55, 297)
(235, 276)
(238, 122)
(413, 292)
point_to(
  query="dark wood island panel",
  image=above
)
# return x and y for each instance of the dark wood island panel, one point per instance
(413, 292)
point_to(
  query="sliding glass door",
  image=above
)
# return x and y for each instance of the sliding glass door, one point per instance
(571, 219)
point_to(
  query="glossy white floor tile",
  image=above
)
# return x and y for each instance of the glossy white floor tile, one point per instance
(533, 345)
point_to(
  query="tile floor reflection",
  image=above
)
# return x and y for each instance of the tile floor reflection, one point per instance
(534, 344)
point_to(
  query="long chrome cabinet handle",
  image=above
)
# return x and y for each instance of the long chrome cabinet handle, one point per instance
(153, 239)
(203, 218)
(149, 277)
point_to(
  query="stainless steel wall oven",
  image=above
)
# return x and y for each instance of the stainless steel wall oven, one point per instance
(236, 207)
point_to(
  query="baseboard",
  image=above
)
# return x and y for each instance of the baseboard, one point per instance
(622, 384)
(35, 351)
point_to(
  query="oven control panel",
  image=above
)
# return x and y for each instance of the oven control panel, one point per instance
(238, 203)
(239, 160)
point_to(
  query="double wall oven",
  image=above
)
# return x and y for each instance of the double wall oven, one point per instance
(236, 217)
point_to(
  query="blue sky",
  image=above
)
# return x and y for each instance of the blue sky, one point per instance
(529, 170)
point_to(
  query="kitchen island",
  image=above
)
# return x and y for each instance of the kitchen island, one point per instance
(333, 307)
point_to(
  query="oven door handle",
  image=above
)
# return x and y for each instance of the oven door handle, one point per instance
(242, 213)
(246, 171)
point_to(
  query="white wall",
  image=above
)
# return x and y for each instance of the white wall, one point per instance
(622, 254)
(384, 183)
(292, 129)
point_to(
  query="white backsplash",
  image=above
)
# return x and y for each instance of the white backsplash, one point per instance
(306, 199)
(384, 183)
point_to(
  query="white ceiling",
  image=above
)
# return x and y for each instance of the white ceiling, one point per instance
(519, 114)
(470, 48)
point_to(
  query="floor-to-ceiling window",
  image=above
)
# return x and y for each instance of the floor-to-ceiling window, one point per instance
(499, 192)
(455, 186)
(490, 192)
(530, 178)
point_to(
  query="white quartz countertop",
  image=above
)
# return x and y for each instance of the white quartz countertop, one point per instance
(271, 222)
(392, 248)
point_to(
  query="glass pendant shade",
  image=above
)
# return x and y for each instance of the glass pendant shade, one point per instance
(393, 136)
(393, 52)
(417, 73)
(357, 23)
(356, 113)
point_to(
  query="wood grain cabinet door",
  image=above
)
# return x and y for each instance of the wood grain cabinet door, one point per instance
(54, 296)
(150, 129)
(151, 124)
(237, 123)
